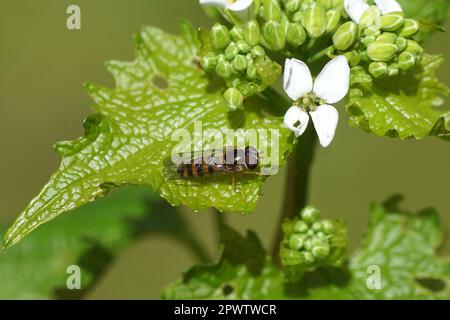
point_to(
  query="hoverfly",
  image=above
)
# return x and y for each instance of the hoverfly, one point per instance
(227, 160)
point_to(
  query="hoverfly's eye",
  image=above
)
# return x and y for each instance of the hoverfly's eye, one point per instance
(251, 158)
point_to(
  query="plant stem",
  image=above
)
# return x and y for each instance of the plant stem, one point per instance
(297, 183)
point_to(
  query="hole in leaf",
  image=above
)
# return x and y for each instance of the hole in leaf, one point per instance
(227, 290)
(160, 82)
(431, 284)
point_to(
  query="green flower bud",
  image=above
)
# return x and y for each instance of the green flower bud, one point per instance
(296, 241)
(300, 226)
(381, 51)
(252, 72)
(231, 51)
(401, 44)
(272, 10)
(410, 28)
(393, 70)
(220, 36)
(308, 257)
(321, 236)
(333, 19)
(406, 61)
(233, 99)
(237, 33)
(353, 58)
(274, 35)
(243, 47)
(298, 17)
(378, 69)
(293, 5)
(328, 225)
(387, 37)
(307, 244)
(310, 214)
(321, 252)
(326, 4)
(370, 17)
(367, 40)
(296, 35)
(310, 233)
(345, 36)
(372, 32)
(315, 20)
(414, 48)
(392, 21)
(240, 63)
(258, 51)
(316, 226)
(251, 33)
(365, 57)
(209, 61)
(224, 69)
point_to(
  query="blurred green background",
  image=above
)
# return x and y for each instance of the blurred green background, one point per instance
(42, 68)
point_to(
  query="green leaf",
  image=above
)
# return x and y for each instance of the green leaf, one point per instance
(406, 106)
(130, 135)
(401, 244)
(244, 271)
(91, 238)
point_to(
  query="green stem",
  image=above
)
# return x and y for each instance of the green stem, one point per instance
(297, 183)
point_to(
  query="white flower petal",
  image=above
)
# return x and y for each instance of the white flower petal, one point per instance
(240, 5)
(296, 120)
(333, 82)
(387, 6)
(355, 9)
(217, 3)
(325, 119)
(297, 79)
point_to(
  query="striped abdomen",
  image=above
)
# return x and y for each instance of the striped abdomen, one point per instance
(195, 170)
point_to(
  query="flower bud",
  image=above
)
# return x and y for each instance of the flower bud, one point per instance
(387, 37)
(296, 241)
(240, 63)
(367, 40)
(310, 214)
(315, 20)
(401, 44)
(237, 33)
(326, 4)
(258, 51)
(372, 32)
(370, 18)
(293, 5)
(406, 61)
(298, 17)
(410, 28)
(353, 58)
(243, 47)
(272, 10)
(381, 51)
(393, 70)
(321, 252)
(333, 19)
(224, 69)
(252, 73)
(251, 33)
(296, 35)
(378, 69)
(345, 36)
(414, 48)
(300, 227)
(233, 99)
(392, 21)
(209, 61)
(274, 35)
(231, 51)
(220, 36)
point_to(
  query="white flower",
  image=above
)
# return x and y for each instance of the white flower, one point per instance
(356, 8)
(330, 86)
(239, 8)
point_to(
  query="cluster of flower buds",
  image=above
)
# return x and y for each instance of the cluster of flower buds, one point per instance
(294, 22)
(237, 56)
(310, 243)
(379, 36)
